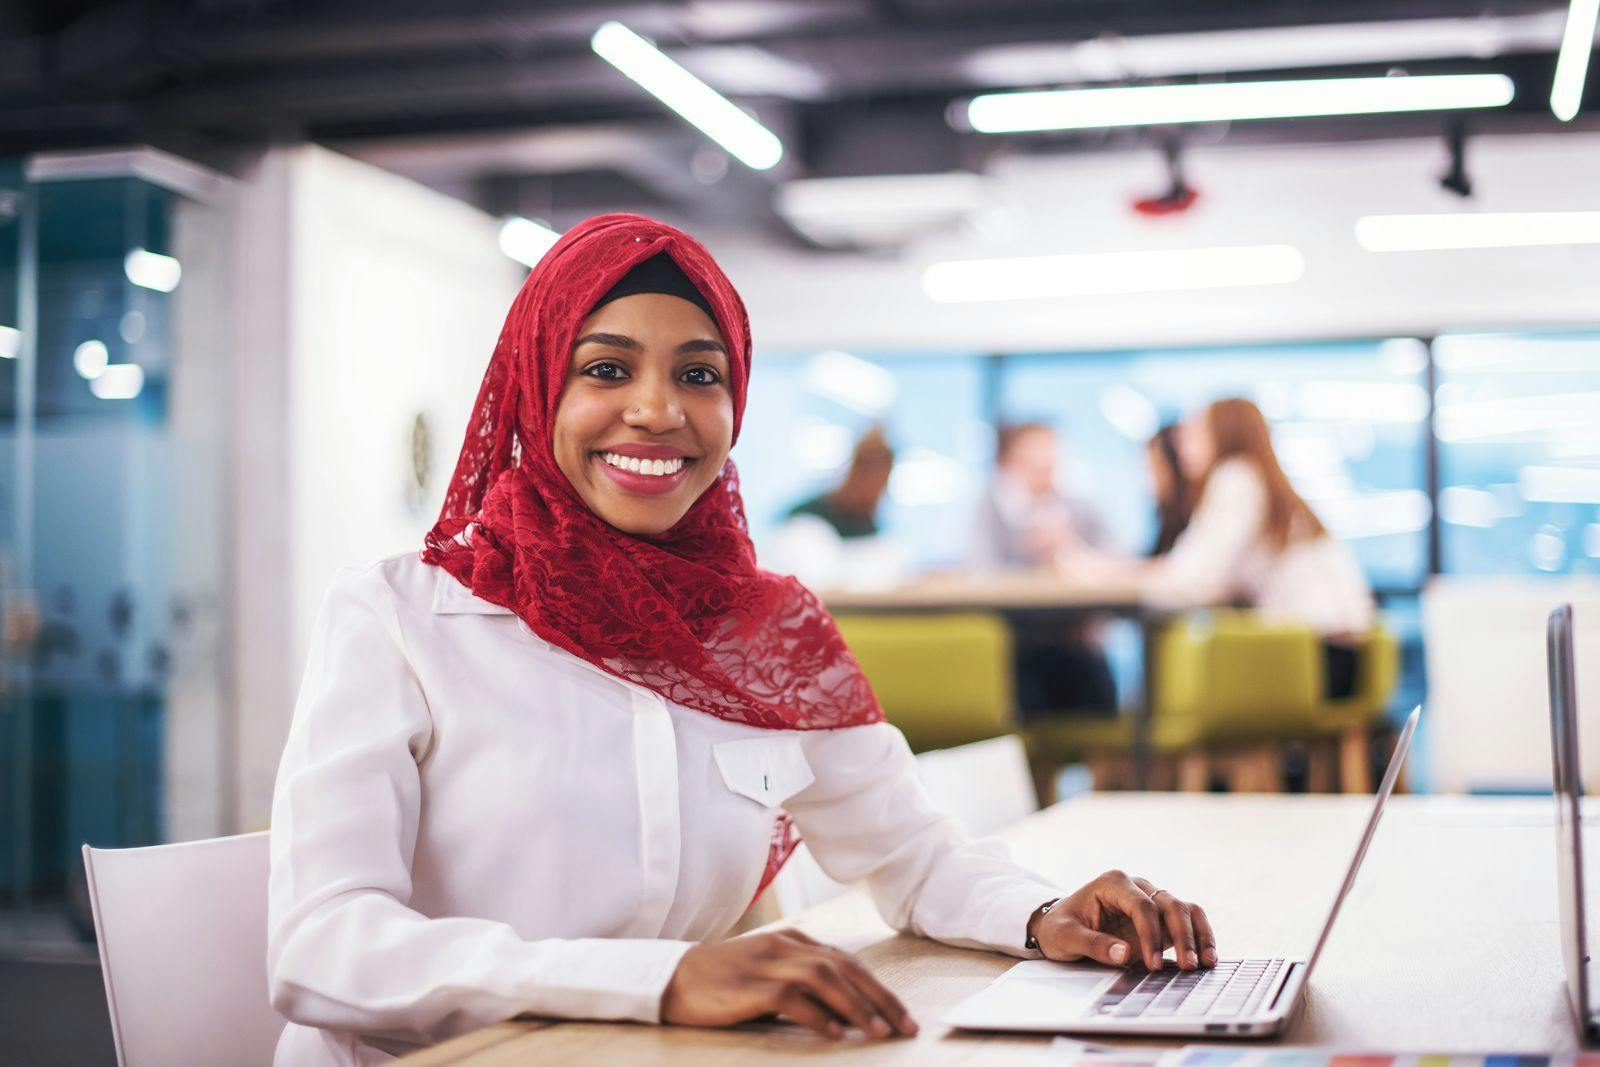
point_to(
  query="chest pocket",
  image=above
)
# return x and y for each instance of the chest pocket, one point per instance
(768, 770)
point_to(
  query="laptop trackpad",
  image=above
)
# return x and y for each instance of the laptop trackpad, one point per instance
(1035, 993)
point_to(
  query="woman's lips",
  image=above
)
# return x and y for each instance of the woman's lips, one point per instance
(643, 484)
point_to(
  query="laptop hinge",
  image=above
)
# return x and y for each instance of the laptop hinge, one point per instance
(1287, 974)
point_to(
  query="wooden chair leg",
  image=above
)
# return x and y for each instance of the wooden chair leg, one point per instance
(1254, 770)
(1194, 772)
(1163, 776)
(1243, 772)
(1109, 769)
(1269, 763)
(1319, 767)
(1044, 779)
(1355, 769)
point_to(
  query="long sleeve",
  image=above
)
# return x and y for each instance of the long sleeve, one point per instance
(867, 819)
(1202, 567)
(345, 952)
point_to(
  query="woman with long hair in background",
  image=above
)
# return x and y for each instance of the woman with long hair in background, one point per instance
(1174, 495)
(1253, 540)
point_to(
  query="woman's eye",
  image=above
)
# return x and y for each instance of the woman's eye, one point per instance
(604, 371)
(701, 376)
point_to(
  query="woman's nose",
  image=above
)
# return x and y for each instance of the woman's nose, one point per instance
(654, 408)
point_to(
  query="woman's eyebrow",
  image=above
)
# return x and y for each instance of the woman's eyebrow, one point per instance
(703, 344)
(610, 340)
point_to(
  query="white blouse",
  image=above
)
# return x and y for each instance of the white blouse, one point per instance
(1223, 555)
(470, 823)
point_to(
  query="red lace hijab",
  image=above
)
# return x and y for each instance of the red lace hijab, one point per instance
(686, 613)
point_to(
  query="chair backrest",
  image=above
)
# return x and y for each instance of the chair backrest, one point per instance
(986, 785)
(1232, 677)
(183, 949)
(942, 679)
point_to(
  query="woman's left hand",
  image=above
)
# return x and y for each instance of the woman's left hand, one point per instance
(1119, 919)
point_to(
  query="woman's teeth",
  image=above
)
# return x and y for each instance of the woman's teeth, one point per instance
(655, 467)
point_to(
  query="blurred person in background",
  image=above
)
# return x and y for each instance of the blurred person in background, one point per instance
(545, 764)
(1174, 494)
(851, 508)
(1254, 540)
(1025, 522)
(833, 539)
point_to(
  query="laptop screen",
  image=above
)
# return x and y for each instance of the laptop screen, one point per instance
(1568, 780)
(1401, 746)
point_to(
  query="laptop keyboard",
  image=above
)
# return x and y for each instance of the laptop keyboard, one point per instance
(1231, 988)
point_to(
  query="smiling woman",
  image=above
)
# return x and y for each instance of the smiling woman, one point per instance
(645, 420)
(546, 765)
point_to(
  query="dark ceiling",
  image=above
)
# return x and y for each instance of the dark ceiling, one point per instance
(853, 86)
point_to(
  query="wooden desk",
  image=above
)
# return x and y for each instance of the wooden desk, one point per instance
(1030, 596)
(1009, 591)
(1449, 941)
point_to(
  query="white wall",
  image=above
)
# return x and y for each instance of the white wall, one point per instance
(1487, 714)
(377, 300)
(1307, 196)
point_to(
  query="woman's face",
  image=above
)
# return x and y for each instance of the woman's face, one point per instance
(1160, 472)
(1195, 446)
(645, 419)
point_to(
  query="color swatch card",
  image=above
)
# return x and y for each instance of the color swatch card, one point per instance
(1086, 1054)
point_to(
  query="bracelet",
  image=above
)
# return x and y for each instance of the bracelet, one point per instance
(1032, 943)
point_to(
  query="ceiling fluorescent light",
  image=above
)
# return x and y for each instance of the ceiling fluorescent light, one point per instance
(525, 240)
(10, 342)
(1076, 109)
(91, 359)
(120, 381)
(1559, 485)
(1047, 277)
(1424, 233)
(1572, 64)
(1169, 55)
(699, 105)
(152, 270)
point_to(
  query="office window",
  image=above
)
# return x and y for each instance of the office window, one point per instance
(805, 412)
(1518, 424)
(1348, 423)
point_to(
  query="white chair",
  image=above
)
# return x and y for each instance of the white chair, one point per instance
(1487, 725)
(985, 785)
(183, 949)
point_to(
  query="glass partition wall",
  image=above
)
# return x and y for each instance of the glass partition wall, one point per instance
(112, 533)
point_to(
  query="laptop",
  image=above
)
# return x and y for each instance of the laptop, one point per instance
(1568, 782)
(1236, 998)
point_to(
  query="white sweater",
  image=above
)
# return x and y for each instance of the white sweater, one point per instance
(1224, 556)
(470, 823)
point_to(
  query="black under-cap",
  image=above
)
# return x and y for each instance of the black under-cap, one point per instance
(658, 274)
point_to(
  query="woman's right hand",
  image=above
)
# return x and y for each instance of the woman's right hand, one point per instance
(785, 973)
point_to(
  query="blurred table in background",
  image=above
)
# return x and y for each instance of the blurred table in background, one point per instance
(1031, 597)
(1438, 949)
(1007, 592)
